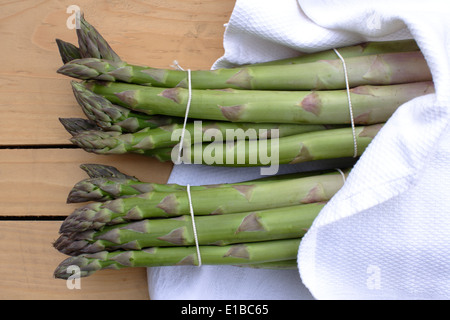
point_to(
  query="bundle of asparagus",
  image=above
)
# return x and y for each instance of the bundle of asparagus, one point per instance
(296, 109)
(301, 102)
(131, 223)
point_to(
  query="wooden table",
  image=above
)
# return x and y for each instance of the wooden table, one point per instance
(38, 165)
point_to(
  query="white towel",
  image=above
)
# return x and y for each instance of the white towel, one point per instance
(386, 233)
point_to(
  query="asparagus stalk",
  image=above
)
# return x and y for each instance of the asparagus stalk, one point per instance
(318, 145)
(274, 265)
(371, 104)
(362, 49)
(237, 254)
(108, 183)
(112, 117)
(380, 69)
(232, 198)
(114, 142)
(381, 59)
(263, 225)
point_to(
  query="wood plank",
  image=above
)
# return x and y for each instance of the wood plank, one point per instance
(36, 182)
(153, 32)
(27, 262)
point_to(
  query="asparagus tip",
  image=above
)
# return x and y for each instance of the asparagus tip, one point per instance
(93, 44)
(77, 125)
(104, 171)
(67, 51)
(78, 266)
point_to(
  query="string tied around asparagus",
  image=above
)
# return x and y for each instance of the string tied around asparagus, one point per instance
(188, 105)
(350, 107)
(188, 187)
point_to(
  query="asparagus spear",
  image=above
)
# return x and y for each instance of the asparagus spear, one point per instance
(263, 225)
(114, 142)
(370, 63)
(108, 183)
(274, 265)
(371, 104)
(380, 69)
(237, 254)
(357, 50)
(317, 145)
(112, 117)
(227, 199)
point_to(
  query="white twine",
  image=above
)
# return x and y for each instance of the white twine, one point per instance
(188, 105)
(350, 107)
(194, 227)
(188, 187)
(342, 174)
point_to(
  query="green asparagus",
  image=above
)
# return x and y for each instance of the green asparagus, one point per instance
(78, 125)
(232, 198)
(371, 104)
(92, 44)
(381, 69)
(108, 183)
(318, 145)
(357, 50)
(262, 225)
(95, 170)
(370, 63)
(115, 142)
(237, 254)
(68, 51)
(112, 117)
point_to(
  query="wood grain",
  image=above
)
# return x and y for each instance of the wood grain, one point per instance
(155, 33)
(27, 262)
(36, 182)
